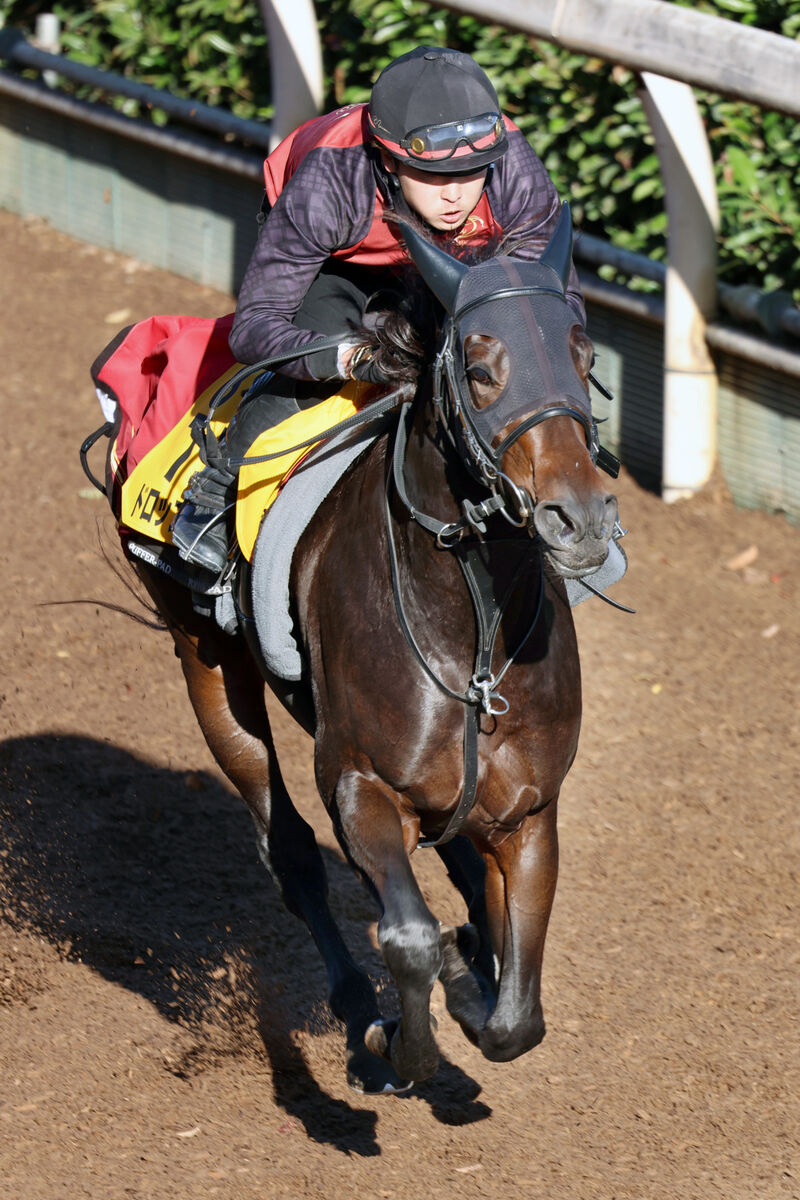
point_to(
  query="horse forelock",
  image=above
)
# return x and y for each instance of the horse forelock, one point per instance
(408, 329)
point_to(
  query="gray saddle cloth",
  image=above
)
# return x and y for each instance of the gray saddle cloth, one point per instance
(289, 515)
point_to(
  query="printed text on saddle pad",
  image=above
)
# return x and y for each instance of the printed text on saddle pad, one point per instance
(153, 492)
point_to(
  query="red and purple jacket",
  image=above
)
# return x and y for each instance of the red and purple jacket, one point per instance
(328, 200)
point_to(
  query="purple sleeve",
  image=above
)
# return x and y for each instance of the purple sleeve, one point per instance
(321, 209)
(524, 199)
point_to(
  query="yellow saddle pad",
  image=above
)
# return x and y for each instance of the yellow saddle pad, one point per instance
(151, 495)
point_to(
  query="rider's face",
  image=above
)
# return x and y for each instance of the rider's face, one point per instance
(444, 201)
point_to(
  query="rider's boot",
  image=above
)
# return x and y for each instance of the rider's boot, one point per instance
(200, 530)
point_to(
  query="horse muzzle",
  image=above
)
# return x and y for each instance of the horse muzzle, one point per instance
(576, 533)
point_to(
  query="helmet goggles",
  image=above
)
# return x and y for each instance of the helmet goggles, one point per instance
(454, 138)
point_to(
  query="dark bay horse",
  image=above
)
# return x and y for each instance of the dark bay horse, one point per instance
(442, 676)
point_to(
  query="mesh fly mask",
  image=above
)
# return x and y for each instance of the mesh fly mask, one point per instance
(527, 300)
(524, 300)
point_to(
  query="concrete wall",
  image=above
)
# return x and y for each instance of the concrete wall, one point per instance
(179, 214)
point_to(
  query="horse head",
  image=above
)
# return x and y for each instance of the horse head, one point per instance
(511, 376)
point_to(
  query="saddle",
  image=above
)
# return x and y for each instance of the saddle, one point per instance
(150, 496)
(155, 380)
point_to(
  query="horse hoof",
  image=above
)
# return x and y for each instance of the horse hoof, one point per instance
(378, 1037)
(371, 1072)
(462, 938)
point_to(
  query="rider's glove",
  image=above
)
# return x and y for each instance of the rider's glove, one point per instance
(363, 366)
(369, 371)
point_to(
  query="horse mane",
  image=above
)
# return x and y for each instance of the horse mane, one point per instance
(405, 324)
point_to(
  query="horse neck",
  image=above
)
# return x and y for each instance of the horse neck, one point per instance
(436, 482)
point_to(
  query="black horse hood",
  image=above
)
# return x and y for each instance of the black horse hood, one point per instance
(500, 295)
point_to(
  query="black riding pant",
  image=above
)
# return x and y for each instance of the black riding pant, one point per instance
(335, 303)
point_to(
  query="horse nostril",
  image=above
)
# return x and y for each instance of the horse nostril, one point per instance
(563, 517)
(610, 514)
(566, 522)
(556, 524)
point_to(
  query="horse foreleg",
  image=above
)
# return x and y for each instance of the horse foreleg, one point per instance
(520, 886)
(227, 693)
(468, 969)
(377, 844)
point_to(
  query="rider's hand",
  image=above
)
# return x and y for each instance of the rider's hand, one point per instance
(360, 363)
(346, 352)
(368, 371)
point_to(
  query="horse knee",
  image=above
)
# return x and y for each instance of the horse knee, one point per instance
(412, 950)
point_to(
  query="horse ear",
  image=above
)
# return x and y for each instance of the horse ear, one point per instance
(440, 270)
(558, 253)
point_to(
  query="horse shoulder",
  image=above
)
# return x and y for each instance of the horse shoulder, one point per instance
(332, 545)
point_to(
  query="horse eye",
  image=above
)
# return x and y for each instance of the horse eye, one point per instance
(479, 375)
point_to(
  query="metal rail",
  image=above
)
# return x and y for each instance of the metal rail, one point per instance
(650, 308)
(16, 49)
(185, 143)
(775, 312)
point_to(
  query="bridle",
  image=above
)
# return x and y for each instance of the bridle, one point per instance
(475, 446)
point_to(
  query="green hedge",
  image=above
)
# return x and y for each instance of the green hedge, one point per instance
(582, 115)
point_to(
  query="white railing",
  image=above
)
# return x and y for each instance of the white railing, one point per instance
(295, 63)
(651, 35)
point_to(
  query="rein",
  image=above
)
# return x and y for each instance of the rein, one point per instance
(203, 435)
(481, 695)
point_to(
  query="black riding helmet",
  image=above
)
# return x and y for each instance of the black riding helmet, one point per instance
(437, 110)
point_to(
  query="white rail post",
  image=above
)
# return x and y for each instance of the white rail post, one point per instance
(47, 36)
(690, 379)
(295, 60)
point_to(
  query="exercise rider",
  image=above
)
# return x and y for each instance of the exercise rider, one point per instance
(432, 142)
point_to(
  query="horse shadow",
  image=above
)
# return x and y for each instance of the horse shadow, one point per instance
(150, 877)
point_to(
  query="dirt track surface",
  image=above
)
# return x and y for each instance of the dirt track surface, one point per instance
(163, 1031)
